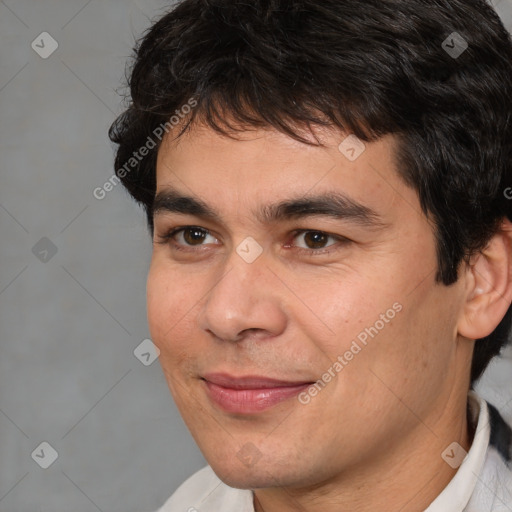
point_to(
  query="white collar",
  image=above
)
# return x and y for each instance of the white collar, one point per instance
(458, 492)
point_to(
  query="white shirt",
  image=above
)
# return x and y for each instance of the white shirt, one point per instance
(483, 482)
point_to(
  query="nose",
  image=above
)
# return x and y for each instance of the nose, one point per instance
(245, 301)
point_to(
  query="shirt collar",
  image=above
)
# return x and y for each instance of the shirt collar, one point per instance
(457, 493)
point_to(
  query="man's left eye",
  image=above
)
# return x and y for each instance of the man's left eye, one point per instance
(315, 239)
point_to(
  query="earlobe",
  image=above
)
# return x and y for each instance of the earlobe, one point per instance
(489, 290)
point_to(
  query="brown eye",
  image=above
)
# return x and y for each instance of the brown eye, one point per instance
(312, 240)
(194, 236)
(188, 237)
(309, 242)
(315, 239)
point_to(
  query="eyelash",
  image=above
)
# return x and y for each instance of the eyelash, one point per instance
(168, 237)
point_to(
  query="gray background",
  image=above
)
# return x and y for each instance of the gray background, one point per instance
(70, 320)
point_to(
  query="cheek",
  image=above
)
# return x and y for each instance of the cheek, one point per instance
(344, 308)
(401, 336)
(169, 301)
(170, 314)
(413, 356)
(159, 303)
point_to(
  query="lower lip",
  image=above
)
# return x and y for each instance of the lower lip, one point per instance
(250, 401)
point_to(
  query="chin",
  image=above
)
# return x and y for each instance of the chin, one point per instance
(246, 478)
(257, 476)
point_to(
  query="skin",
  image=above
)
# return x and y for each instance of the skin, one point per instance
(375, 433)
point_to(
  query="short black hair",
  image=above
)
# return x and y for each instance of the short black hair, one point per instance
(370, 68)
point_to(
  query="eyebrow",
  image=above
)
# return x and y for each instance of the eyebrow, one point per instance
(331, 204)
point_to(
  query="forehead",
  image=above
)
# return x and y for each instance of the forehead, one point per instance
(235, 174)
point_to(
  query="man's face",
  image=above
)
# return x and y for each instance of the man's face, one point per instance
(287, 295)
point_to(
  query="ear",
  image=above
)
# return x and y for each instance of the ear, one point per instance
(488, 286)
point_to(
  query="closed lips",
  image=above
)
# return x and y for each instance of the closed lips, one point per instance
(251, 382)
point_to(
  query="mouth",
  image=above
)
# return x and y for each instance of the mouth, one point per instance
(250, 394)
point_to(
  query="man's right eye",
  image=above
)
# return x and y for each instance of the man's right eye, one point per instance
(186, 236)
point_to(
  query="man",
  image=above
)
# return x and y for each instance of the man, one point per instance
(327, 186)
